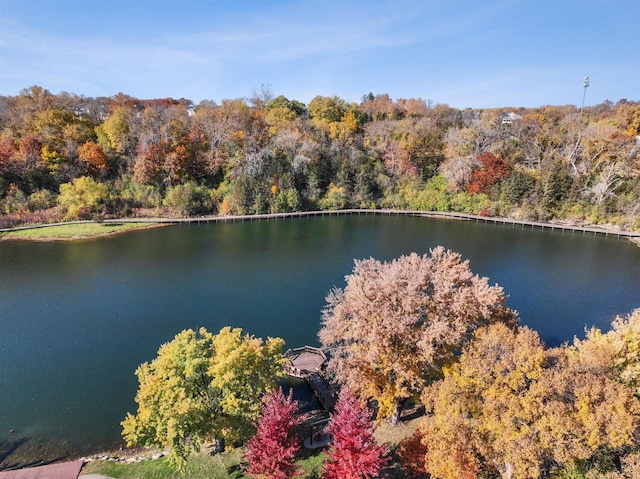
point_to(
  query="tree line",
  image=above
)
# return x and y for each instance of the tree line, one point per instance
(67, 156)
(415, 330)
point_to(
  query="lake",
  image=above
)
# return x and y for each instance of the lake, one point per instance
(77, 318)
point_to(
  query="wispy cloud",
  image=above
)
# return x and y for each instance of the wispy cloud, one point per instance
(463, 53)
(33, 56)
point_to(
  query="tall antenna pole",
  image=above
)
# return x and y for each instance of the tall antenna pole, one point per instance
(585, 84)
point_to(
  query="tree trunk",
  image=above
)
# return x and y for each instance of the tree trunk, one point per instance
(508, 470)
(395, 418)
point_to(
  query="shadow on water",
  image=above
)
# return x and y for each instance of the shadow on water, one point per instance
(9, 447)
(21, 452)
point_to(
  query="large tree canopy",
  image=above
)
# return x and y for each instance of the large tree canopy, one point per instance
(276, 155)
(520, 410)
(395, 325)
(618, 349)
(201, 387)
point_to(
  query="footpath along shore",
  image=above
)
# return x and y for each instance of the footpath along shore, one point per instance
(152, 222)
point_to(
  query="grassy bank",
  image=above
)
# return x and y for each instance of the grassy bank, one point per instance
(229, 464)
(199, 466)
(74, 231)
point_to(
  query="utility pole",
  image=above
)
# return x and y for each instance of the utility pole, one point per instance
(585, 84)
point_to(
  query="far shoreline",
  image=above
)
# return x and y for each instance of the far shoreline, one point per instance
(147, 223)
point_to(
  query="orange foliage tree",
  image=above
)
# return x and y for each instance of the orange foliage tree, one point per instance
(94, 157)
(492, 169)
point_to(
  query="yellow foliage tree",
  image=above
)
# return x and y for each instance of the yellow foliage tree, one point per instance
(619, 349)
(116, 129)
(511, 406)
(82, 196)
(202, 387)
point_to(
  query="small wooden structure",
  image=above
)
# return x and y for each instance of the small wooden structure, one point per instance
(317, 437)
(306, 362)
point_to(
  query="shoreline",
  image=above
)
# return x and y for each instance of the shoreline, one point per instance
(168, 221)
(47, 239)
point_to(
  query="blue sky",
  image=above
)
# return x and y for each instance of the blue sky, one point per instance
(472, 53)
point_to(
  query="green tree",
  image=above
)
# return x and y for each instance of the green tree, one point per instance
(202, 387)
(555, 188)
(189, 199)
(515, 187)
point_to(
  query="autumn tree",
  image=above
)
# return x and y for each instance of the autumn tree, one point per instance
(491, 170)
(412, 454)
(414, 106)
(422, 138)
(94, 157)
(353, 451)
(271, 451)
(327, 109)
(334, 117)
(396, 324)
(379, 107)
(82, 197)
(115, 133)
(282, 113)
(202, 387)
(148, 164)
(512, 407)
(617, 350)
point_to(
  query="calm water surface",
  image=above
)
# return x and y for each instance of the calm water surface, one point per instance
(77, 318)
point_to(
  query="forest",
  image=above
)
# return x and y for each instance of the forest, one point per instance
(65, 156)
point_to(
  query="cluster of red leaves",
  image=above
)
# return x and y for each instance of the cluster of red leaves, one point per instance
(492, 169)
(353, 452)
(413, 454)
(469, 465)
(273, 448)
